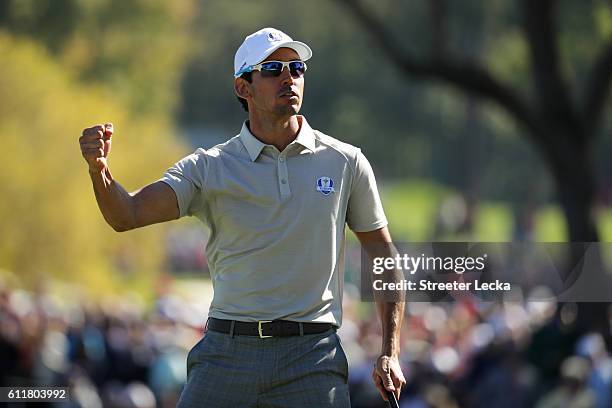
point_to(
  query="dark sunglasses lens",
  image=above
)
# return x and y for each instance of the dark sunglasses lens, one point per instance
(297, 68)
(271, 69)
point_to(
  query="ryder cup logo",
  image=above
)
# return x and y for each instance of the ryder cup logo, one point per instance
(274, 36)
(325, 185)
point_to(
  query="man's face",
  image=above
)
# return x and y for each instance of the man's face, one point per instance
(281, 95)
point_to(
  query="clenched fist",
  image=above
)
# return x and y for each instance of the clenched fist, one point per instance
(95, 146)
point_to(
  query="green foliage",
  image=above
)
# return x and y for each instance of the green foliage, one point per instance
(603, 19)
(136, 48)
(68, 64)
(51, 226)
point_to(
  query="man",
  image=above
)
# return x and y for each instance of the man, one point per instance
(276, 198)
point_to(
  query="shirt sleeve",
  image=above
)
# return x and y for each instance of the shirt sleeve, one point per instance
(365, 211)
(187, 179)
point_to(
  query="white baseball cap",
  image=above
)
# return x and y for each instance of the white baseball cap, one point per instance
(257, 46)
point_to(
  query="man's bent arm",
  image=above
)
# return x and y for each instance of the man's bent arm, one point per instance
(387, 373)
(124, 211)
(154, 203)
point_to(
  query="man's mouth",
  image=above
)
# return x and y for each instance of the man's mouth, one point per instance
(288, 94)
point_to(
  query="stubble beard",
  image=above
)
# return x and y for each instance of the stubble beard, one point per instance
(289, 110)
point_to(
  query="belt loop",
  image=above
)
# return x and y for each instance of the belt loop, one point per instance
(232, 324)
(301, 328)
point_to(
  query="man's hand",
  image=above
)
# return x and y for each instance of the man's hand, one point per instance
(96, 145)
(387, 375)
(123, 211)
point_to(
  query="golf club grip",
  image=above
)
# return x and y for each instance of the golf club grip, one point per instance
(392, 400)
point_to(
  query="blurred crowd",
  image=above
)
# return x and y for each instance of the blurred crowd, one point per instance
(484, 354)
(119, 353)
(111, 354)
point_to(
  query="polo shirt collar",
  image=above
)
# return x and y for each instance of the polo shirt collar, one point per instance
(254, 146)
(306, 136)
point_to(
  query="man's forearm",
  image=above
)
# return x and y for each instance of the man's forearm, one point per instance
(391, 315)
(114, 202)
(378, 244)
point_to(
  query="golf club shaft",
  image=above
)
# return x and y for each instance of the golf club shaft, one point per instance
(392, 400)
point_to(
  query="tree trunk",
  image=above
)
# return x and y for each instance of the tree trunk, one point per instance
(575, 184)
(575, 181)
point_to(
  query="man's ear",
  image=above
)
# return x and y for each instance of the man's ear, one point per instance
(241, 87)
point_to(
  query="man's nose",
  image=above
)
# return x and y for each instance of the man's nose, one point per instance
(286, 76)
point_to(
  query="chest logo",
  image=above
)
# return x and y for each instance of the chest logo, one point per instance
(325, 185)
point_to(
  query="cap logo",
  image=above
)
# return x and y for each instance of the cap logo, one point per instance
(274, 36)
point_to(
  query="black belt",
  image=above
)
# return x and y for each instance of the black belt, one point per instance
(266, 328)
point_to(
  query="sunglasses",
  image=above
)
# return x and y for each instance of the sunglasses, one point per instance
(271, 69)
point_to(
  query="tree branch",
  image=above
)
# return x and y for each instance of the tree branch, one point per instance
(438, 14)
(464, 75)
(596, 90)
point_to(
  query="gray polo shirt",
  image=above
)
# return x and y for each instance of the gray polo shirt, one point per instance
(277, 222)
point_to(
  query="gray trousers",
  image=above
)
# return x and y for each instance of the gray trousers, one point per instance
(243, 371)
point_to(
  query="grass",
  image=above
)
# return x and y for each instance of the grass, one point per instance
(412, 207)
